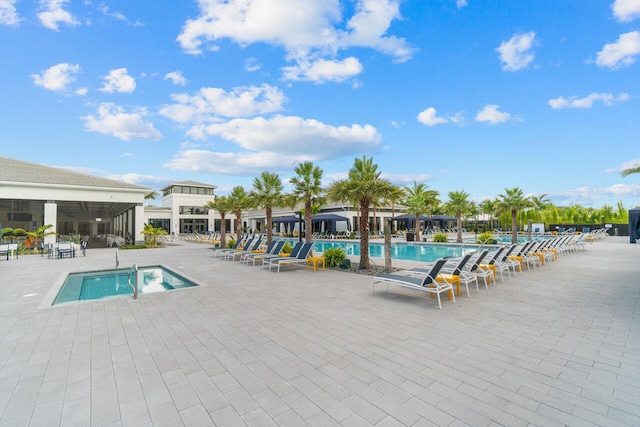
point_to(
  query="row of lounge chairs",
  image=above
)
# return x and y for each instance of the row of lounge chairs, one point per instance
(253, 250)
(442, 275)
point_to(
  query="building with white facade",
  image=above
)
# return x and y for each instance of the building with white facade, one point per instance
(183, 208)
(33, 195)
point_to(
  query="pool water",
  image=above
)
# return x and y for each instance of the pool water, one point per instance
(427, 252)
(94, 285)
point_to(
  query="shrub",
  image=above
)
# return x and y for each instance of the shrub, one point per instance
(333, 256)
(287, 248)
(440, 238)
(231, 243)
(487, 238)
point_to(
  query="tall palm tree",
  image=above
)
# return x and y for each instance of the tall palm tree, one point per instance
(419, 200)
(307, 187)
(239, 200)
(513, 201)
(490, 208)
(267, 194)
(395, 195)
(363, 185)
(223, 206)
(459, 205)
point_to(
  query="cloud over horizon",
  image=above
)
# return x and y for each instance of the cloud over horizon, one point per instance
(311, 33)
(607, 99)
(626, 10)
(621, 53)
(114, 120)
(515, 53)
(52, 13)
(491, 114)
(58, 77)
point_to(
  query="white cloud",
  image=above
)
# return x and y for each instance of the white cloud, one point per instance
(492, 115)
(323, 70)
(515, 54)
(620, 53)
(127, 154)
(57, 77)
(307, 30)
(117, 15)
(81, 91)
(607, 99)
(626, 10)
(461, 3)
(210, 103)
(8, 13)
(401, 179)
(176, 77)
(252, 64)
(136, 178)
(276, 143)
(428, 117)
(588, 196)
(118, 81)
(52, 13)
(288, 134)
(115, 120)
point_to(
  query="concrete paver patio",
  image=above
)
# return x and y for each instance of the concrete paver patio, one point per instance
(554, 346)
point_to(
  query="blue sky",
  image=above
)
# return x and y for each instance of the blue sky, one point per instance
(459, 94)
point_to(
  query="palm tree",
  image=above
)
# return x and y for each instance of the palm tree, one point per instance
(239, 200)
(458, 204)
(152, 233)
(395, 195)
(419, 200)
(513, 201)
(489, 207)
(267, 194)
(307, 187)
(40, 233)
(363, 185)
(222, 205)
(629, 171)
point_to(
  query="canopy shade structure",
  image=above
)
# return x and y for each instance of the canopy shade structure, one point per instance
(331, 219)
(442, 218)
(409, 219)
(286, 220)
(634, 225)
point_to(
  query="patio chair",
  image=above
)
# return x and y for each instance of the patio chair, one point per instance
(490, 266)
(451, 274)
(428, 283)
(219, 253)
(276, 247)
(301, 258)
(476, 271)
(248, 248)
(294, 253)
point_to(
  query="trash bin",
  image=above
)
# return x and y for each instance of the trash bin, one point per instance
(411, 237)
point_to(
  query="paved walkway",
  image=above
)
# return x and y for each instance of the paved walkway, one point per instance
(555, 346)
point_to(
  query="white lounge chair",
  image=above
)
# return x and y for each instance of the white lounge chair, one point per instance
(428, 283)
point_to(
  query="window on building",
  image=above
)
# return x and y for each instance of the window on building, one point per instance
(193, 210)
(163, 223)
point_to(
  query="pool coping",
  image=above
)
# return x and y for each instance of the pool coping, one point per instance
(47, 301)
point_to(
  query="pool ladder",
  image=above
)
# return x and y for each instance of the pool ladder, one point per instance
(133, 271)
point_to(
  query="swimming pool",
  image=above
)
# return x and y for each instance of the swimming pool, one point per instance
(94, 285)
(421, 252)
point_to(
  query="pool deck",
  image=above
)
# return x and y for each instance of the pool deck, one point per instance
(554, 346)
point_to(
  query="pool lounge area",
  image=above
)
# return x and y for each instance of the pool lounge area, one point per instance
(552, 346)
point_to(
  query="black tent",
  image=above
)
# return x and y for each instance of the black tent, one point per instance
(331, 219)
(409, 219)
(286, 220)
(634, 225)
